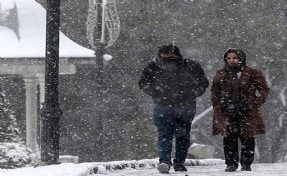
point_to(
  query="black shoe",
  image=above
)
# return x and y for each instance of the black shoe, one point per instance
(230, 169)
(179, 168)
(245, 168)
(163, 168)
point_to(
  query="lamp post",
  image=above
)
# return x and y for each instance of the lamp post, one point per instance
(99, 50)
(51, 111)
(103, 27)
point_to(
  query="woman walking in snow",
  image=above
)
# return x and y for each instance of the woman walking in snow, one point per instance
(237, 92)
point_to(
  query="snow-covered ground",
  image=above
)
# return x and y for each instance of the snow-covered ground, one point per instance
(209, 167)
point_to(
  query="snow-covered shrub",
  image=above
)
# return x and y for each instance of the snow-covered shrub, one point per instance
(9, 131)
(13, 155)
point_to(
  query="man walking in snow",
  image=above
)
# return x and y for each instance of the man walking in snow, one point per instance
(174, 84)
(237, 92)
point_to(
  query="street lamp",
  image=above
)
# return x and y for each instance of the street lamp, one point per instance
(99, 51)
(51, 111)
(103, 27)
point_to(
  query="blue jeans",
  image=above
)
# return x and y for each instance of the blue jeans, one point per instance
(173, 121)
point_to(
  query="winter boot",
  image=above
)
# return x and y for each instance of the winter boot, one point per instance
(230, 169)
(245, 168)
(179, 168)
(163, 168)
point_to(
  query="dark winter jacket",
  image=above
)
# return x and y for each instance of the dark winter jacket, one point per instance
(180, 86)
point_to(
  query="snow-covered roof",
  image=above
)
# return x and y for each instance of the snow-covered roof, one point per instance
(23, 32)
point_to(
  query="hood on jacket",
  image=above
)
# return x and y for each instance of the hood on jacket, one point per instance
(240, 54)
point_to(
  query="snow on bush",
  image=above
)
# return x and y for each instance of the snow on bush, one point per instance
(14, 155)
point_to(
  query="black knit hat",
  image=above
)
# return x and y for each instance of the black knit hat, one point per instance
(240, 54)
(169, 49)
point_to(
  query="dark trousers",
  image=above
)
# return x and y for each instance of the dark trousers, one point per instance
(173, 122)
(230, 145)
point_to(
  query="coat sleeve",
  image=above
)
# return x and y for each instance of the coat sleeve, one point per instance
(146, 82)
(262, 88)
(202, 81)
(219, 119)
(215, 90)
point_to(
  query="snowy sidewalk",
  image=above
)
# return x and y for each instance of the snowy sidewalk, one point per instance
(278, 169)
(209, 167)
(97, 168)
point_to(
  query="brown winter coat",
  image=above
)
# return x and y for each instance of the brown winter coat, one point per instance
(254, 90)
